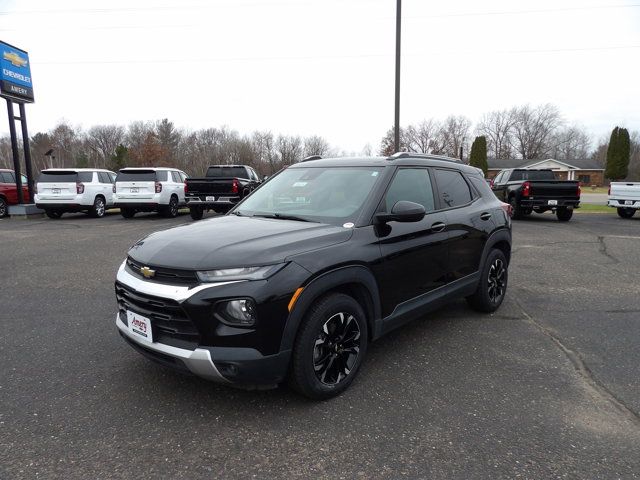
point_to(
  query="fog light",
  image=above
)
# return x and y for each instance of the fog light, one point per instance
(238, 312)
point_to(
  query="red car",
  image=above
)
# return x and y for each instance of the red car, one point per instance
(9, 192)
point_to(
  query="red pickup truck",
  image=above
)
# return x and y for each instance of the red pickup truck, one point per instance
(9, 191)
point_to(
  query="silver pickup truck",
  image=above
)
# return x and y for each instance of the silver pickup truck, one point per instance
(625, 196)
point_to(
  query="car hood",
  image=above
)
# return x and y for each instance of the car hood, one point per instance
(233, 241)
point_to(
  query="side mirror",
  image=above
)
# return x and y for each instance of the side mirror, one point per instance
(402, 211)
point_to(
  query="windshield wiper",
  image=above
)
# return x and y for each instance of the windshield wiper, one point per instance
(281, 216)
(237, 213)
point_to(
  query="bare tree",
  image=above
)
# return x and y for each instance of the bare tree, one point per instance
(533, 129)
(497, 127)
(289, 149)
(315, 145)
(424, 137)
(570, 144)
(103, 139)
(66, 141)
(454, 133)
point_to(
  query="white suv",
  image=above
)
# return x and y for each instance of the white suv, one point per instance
(149, 190)
(63, 190)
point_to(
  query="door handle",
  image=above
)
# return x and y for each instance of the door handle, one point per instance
(438, 227)
(485, 216)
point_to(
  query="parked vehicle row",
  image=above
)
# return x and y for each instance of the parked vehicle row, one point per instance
(299, 277)
(625, 197)
(536, 191)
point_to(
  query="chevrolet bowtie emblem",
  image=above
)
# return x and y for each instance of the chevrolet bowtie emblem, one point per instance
(147, 272)
(15, 59)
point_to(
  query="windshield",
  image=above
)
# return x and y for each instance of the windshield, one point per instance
(333, 195)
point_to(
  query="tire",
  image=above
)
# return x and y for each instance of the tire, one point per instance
(53, 214)
(171, 211)
(196, 212)
(564, 214)
(527, 211)
(492, 286)
(98, 209)
(127, 212)
(622, 212)
(516, 212)
(222, 210)
(4, 209)
(323, 365)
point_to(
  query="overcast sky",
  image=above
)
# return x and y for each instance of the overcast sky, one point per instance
(324, 67)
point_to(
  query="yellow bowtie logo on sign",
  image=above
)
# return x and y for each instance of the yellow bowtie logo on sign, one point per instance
(15, 59)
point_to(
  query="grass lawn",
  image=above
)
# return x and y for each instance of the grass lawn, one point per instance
(588, 208)
(587, 189)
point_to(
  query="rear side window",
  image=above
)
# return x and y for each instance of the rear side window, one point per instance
(227, 172)
(176, 177)
(7, 177)
(58, 177)
(104, 177)
(412, 185)
(86, 177)
(481, 185)
(136, 176)
(454, 190)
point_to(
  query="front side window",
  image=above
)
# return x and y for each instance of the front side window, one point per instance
(412, 185)
(454, 190)
(333, 195)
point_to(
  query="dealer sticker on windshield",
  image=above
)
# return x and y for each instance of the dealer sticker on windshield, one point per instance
(140, 326)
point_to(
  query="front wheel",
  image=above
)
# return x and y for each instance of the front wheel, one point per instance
(171, 211)
(330, 347)
(493, 283)
(196, 212)
(626, 212)
(564, 214)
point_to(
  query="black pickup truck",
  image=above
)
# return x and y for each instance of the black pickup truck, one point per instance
(536, 191)
(222, 187)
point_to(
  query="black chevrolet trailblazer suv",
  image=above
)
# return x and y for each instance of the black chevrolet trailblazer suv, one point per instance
(322, 259)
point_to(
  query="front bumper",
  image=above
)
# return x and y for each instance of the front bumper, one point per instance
(619, 203)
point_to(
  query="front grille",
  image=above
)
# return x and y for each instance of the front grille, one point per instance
(163, 275)
(169, 322)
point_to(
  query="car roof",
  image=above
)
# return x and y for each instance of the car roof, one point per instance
(155, 169)
(75, 170)
(403, 159)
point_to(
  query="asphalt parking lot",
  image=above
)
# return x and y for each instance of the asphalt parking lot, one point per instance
(548, 387)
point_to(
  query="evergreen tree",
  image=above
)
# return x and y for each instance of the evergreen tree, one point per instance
(120, 159)
(478, 155)
(618, 154)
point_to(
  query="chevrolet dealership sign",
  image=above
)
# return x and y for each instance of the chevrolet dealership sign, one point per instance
(15, 74)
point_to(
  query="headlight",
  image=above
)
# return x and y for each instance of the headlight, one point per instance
(240, 312)
(242, 273)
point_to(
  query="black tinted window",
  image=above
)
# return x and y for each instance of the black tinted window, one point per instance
(57, 177)
(85, 177)
(104, 177)
(7, 177)
(228, 172)
(481, 185)
(412, 185)
(136, 176)
(176, 177)
(453, 189)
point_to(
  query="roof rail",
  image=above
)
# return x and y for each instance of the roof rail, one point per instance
(311, 157)
(398, 155)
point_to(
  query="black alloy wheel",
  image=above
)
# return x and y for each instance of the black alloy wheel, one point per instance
(492, 285)
(496, 280)
(3, 207)
(336, 348)
(329, 348)
(172, 210)
(623, 212)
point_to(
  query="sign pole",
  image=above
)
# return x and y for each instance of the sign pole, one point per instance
(14, 150)
(396, 127)
(27, 151)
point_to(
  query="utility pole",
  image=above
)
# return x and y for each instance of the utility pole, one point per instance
(396, 136)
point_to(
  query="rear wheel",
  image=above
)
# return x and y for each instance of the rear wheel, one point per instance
(622, 212)
(196, 212)
(330, 347)
(564, 214)
(493, 283)
(171, 211)
(127, 212)
(98, 208)
(3, 208)
(516, 212)
(54, 214)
